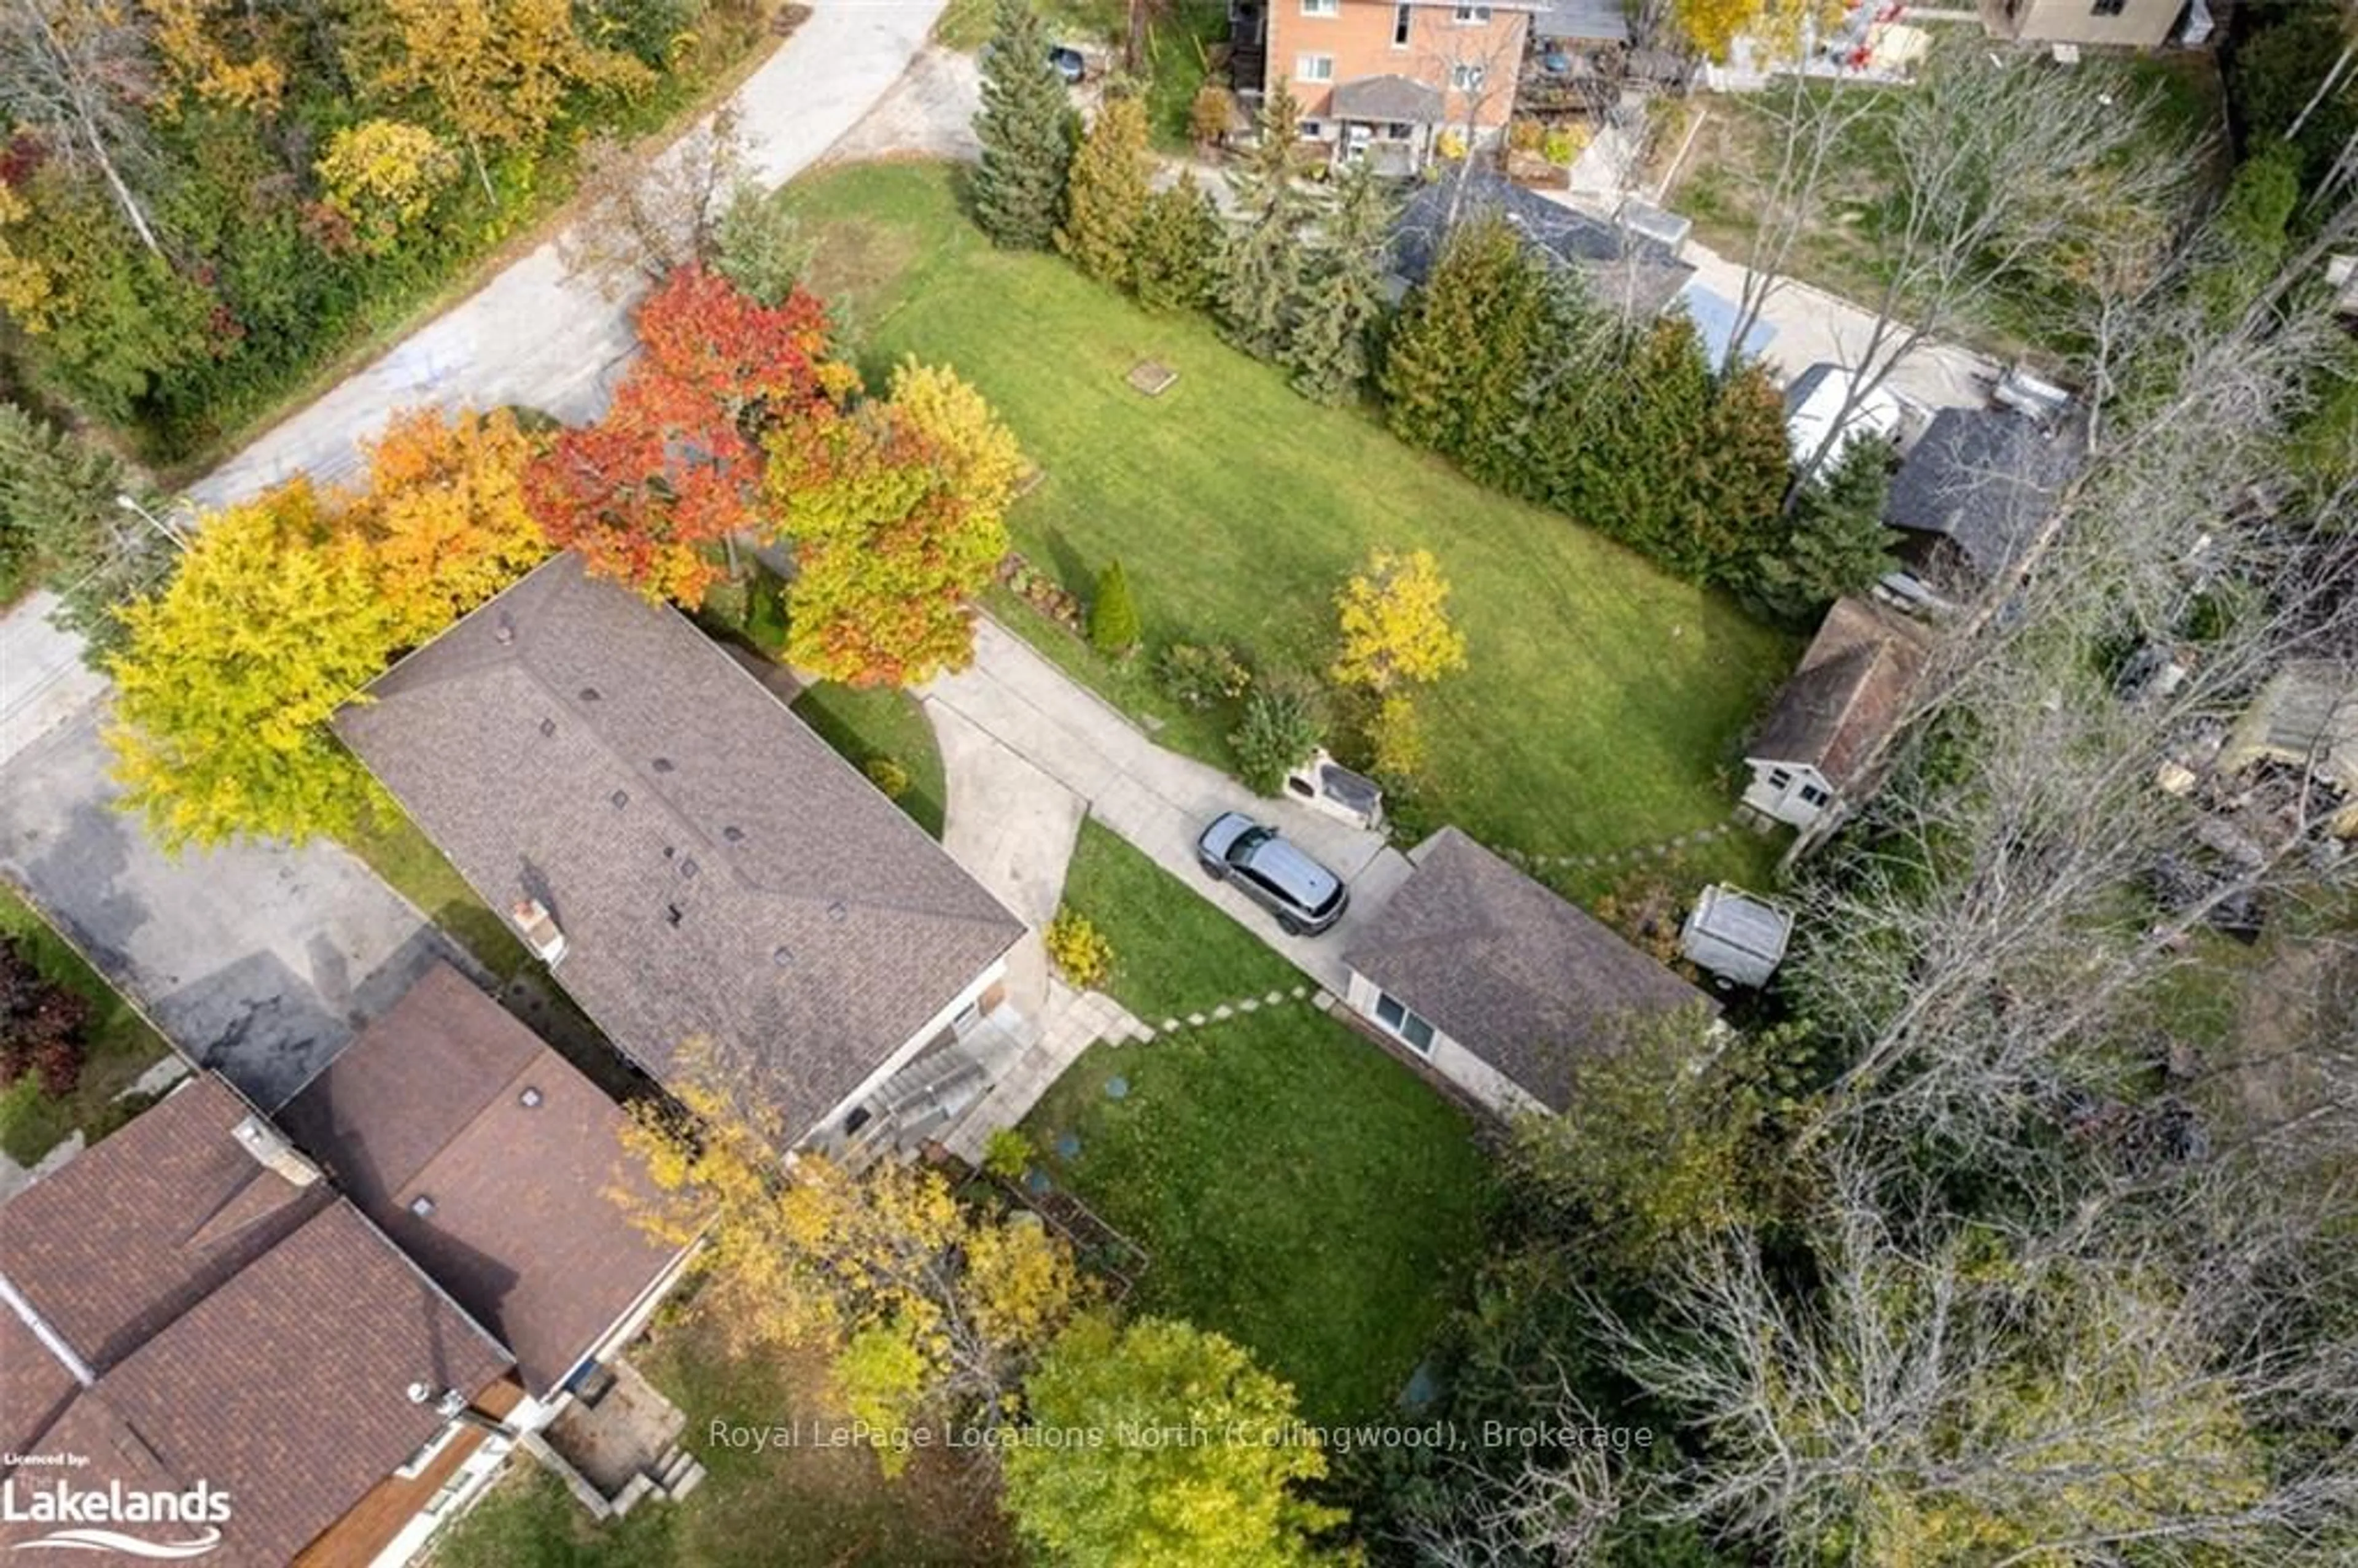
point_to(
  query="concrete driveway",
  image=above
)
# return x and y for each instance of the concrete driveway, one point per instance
(1156, 799)
(258, 959)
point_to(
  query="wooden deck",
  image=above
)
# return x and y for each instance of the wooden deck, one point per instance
(370, 1525)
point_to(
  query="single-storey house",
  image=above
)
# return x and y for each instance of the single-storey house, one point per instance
(1623, 269)
(1501, 987)
(2305, 719)
(500, 1168)
(2104, 24)
(1814, 401)
(1836, 715)
(695, 864)
(1974, 490)
(187, 1305)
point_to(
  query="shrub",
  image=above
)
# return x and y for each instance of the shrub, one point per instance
(1524, 135)
(1113, 616)
(1562, 145)
(1007, 1153)
(1279, 729)
(891, 779)
(1078, 949)
(1209, 115)
(1198, 676)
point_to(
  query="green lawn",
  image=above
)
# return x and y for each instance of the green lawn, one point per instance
(1605, 702)
(803, 1508)
(1298, 1189)
(867, 725)
(120, 1046)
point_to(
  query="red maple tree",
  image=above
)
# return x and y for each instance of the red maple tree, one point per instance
(674, 465)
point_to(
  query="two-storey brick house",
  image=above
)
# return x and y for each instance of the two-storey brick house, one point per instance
(1385, 81)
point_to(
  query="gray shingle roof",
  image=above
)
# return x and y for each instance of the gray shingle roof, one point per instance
(1984, 480)
(1387, 98)
(1623, 271)
(1851, 688)
(719, 872)
(1585, 21)
(1520, 978)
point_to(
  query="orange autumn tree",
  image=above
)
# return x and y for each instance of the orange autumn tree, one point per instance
(674, 465)
(442, 518)
(897, 514)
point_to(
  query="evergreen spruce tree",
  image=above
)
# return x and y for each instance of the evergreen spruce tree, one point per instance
(1113, 614)
(58, 509)
(1105, 200)
(1737, 491)
(1835, 542)
(1261, 268)
(1334, 329)
(1461, 360)
(1175, 247)
(1027, 130)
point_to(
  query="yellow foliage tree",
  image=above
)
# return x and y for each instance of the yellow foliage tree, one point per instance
(922, 1304)
(442, 520)
(498, 70)
(382, 175)
(1395, 623)
(229, 677)
(1776, 27)
(187, 34)
(977, 455)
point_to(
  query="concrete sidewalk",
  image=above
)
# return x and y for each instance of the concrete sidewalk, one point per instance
(1155, 798)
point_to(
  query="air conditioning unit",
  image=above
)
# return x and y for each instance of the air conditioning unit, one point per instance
(539, 930)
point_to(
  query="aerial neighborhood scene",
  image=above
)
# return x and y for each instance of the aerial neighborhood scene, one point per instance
(1179, 783)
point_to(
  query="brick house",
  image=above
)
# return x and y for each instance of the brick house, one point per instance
(1384, 80)
(2116, 24)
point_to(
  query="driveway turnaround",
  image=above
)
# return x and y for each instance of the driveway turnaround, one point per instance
(1157, 799)
(259, 959)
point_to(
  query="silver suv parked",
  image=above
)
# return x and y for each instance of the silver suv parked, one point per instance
(1305, 896)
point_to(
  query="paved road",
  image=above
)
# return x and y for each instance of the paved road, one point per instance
(259, 959)
(1156, 799)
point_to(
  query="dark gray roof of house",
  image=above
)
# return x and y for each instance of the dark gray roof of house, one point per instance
(719, 872)
(1387, 98)
(1623, 270)
(1984, 480)
(1850, 690)
(1587, 21)
(1521, 979)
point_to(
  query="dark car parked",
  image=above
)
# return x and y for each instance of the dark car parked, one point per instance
(1305, 896)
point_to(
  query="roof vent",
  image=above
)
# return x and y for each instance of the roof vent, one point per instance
(621, 797)
(590, 694)
(688, 867)
(539, 930)
(673, 914)
(663, 764)
(530, 1098)
(504, 633)
(273, 1153)
(836, 909)
(734, 834)
(548, 728)
(421, 1206)
(781, 956)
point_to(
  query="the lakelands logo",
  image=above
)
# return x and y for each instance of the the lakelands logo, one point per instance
(173, 1526)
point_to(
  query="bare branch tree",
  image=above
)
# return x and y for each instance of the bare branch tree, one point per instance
(81, 78)
(642, 217)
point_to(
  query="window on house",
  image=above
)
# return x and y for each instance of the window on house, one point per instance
(1812, 795)
(1394, 1016)
(1467, 78)
(1311, 130)
(2110, 7)
(1473, 15)
(1315, 68)
(1401, 16)
(1321, 8)
(1780, 777)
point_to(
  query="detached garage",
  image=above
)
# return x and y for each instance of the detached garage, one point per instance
(1500, 985)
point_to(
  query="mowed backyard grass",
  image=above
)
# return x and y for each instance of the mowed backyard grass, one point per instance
(1299, 1190)
(1605, 702)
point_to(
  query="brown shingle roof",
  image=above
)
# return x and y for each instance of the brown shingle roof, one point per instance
(524, 1230)
(1516, 975)
(718, 871)
(121, 1241)
(1849, 694)
(243, 1330)
(288, 1387)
